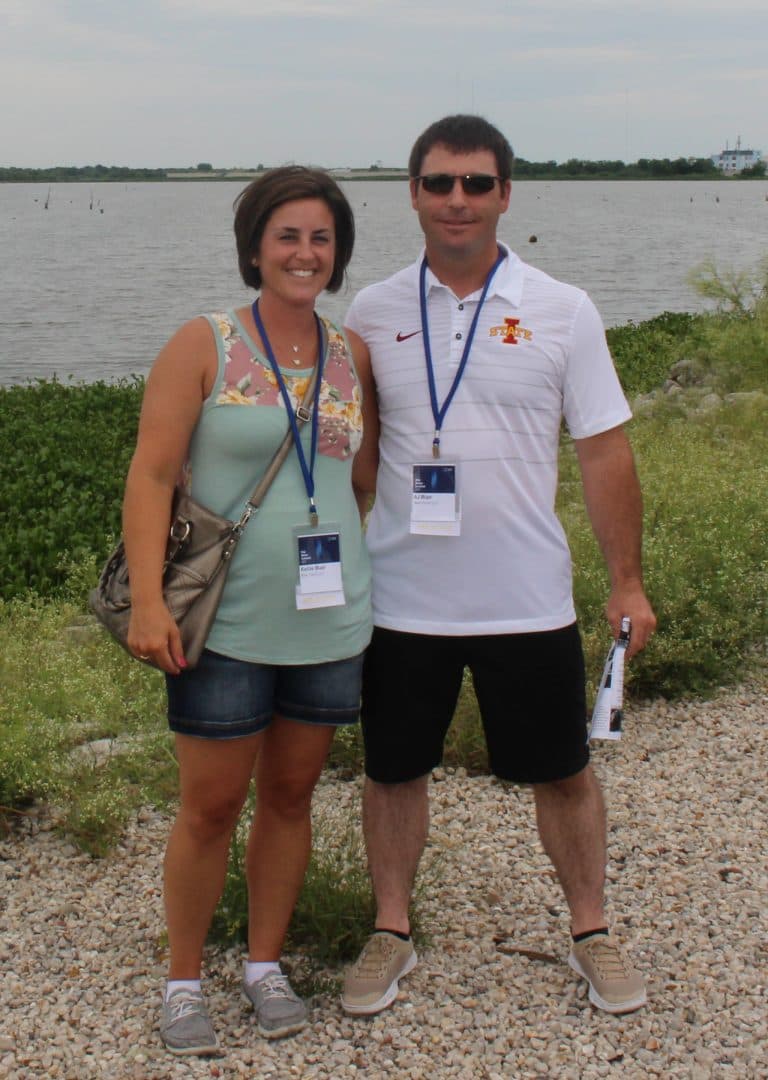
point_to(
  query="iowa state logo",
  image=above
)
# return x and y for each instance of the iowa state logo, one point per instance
(511, 332)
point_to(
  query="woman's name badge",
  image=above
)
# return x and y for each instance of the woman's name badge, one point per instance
(435, 503)
(319, 581)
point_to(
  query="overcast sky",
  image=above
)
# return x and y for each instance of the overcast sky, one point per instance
(351, 82)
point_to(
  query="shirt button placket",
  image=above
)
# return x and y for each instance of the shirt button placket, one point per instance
(458, 333)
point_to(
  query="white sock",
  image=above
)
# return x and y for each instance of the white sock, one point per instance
(181, 984)
(253, 970)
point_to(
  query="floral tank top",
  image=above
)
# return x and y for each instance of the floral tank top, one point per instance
(242, 423)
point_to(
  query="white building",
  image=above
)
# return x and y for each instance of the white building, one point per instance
(733, 161)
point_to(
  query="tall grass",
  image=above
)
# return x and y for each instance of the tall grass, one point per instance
(705, 490)
(63, 687)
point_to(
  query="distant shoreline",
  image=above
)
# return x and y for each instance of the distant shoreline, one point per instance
(652, 170)
(177, 178)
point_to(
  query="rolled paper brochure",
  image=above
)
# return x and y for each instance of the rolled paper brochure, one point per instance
(608, 713)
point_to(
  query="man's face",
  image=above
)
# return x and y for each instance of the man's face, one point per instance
(457, 223)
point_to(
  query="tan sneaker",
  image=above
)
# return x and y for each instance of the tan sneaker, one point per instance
(372, 982)
(614, 985)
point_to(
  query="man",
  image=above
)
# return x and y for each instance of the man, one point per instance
(477, 358)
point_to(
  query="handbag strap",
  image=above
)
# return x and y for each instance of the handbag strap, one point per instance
(303, 414)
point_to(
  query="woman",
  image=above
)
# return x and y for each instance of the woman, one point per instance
(282, 665)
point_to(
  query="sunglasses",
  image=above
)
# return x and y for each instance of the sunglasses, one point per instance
(471, 183)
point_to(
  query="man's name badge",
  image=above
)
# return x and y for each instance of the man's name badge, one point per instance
(319, 581)
(435, 502)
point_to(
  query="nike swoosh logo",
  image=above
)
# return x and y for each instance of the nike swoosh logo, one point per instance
(404, 337)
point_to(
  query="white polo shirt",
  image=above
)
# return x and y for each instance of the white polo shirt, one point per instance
(539, 355)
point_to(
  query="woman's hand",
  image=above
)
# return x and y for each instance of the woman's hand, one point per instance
(153, 635)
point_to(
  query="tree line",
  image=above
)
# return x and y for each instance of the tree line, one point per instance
(64, 173)
(643, 169)
(574, 168)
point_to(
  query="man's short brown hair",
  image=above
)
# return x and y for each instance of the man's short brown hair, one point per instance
(463, 134)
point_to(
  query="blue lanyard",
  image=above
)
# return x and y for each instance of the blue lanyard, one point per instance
(439, 412)
(308, 471)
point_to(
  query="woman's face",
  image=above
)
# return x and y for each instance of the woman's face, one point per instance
(297, 250)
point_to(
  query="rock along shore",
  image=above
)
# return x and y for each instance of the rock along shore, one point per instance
(492, 997)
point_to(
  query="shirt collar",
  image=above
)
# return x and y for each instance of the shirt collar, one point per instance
(507, 281)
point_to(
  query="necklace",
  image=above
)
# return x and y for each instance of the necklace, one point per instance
(295, 350)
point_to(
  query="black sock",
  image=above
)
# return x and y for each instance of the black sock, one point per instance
(397, 933)
(590, 933)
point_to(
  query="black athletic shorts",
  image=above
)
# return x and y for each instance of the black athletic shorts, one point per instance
(530, 688)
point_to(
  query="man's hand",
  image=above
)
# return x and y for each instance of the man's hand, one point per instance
(629, 599)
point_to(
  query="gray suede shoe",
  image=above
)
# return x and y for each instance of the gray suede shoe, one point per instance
(185, 1026)
(279, 1010)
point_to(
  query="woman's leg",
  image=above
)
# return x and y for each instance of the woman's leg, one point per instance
(214, 776)
(289, 764)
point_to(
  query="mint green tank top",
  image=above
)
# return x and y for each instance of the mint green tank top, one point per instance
(241, 425)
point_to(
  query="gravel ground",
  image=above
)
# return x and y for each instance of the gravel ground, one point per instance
(492, 996)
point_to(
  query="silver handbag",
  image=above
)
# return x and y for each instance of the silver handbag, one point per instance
(200, 548)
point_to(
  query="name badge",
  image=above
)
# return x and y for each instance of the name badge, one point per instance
(319, 581)
(435, 502)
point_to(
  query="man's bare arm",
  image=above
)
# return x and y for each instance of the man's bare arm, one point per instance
(615, 508)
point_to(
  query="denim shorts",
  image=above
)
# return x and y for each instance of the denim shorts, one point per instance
(224, 698)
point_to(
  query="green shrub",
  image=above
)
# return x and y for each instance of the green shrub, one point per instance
(732, 349)
(741, 292)
(644, 352)
(64, 454)
(733, 353)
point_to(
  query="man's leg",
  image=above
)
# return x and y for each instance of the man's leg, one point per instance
(410, 686)
(571, 818)
(531, 693)
(395, 826)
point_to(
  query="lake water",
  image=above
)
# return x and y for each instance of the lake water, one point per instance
(92, 293)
